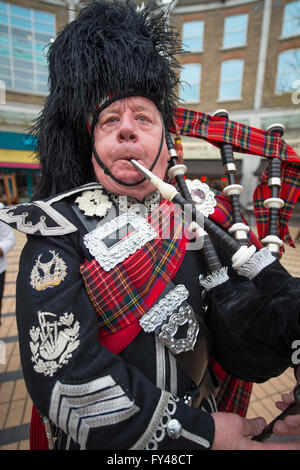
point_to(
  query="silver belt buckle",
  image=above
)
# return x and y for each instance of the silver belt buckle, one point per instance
(169, 333)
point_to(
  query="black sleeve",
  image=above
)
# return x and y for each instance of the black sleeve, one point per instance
(255, 323)
(90, 393)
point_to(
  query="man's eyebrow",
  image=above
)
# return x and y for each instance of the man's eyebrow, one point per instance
(113, 109)
(142, 108)
(116, 109)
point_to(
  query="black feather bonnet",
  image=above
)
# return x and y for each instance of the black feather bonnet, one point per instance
(112, 49)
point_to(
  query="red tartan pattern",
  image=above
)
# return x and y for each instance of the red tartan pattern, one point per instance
(223, 217)
(243, 138)
(290, 191)
(249, 140)
(233, 395)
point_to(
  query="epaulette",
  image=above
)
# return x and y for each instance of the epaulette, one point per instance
(39, 217)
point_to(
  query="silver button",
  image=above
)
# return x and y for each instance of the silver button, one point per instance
(188, 399)
(174, 429)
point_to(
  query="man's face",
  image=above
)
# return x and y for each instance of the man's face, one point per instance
(129, 128)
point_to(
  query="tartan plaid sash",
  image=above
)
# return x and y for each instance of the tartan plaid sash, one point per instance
(123, 294)
(246, 139)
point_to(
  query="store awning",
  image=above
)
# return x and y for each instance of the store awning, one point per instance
(19, 159)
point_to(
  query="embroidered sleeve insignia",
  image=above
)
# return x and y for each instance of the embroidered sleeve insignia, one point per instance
(53, 341)
(49, 273)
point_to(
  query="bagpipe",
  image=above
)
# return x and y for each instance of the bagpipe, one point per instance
(274, 199)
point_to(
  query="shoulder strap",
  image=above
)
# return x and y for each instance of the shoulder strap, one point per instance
(40, 218)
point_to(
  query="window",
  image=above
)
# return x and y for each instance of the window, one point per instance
(25, 35)
(235, 31)
(291, 19)
(288, 71)
(190, 86)
(231, 79)
(192, 36)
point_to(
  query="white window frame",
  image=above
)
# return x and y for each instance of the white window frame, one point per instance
(285, 20)
(185, 84)
(186, 37)
(232, 98)
(297, 70)
(32, 63)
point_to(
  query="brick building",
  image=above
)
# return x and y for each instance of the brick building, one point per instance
(243, 56)
(26, 29)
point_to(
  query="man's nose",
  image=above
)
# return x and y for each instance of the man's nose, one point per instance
(127, 131)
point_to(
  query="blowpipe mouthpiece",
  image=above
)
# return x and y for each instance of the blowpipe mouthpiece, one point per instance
(167, 191)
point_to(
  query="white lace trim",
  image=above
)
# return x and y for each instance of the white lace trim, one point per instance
(257, 263)
(164, 425)
(160, 431)
(203, 197)
(129, 203)
(215, 279)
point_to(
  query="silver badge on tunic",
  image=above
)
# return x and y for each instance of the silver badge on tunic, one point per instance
(94, 202)
(117, 239)
(167, 317)
(169, 330)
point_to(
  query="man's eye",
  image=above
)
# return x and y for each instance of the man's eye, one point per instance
(142, 118)
(109, 120)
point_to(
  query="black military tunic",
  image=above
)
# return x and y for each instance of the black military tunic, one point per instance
(138, 399)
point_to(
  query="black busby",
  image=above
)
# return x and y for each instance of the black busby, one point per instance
(112, 49)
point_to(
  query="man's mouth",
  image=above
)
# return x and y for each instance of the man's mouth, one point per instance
(129, 157)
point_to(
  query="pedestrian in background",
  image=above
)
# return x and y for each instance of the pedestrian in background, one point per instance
(7, 242)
